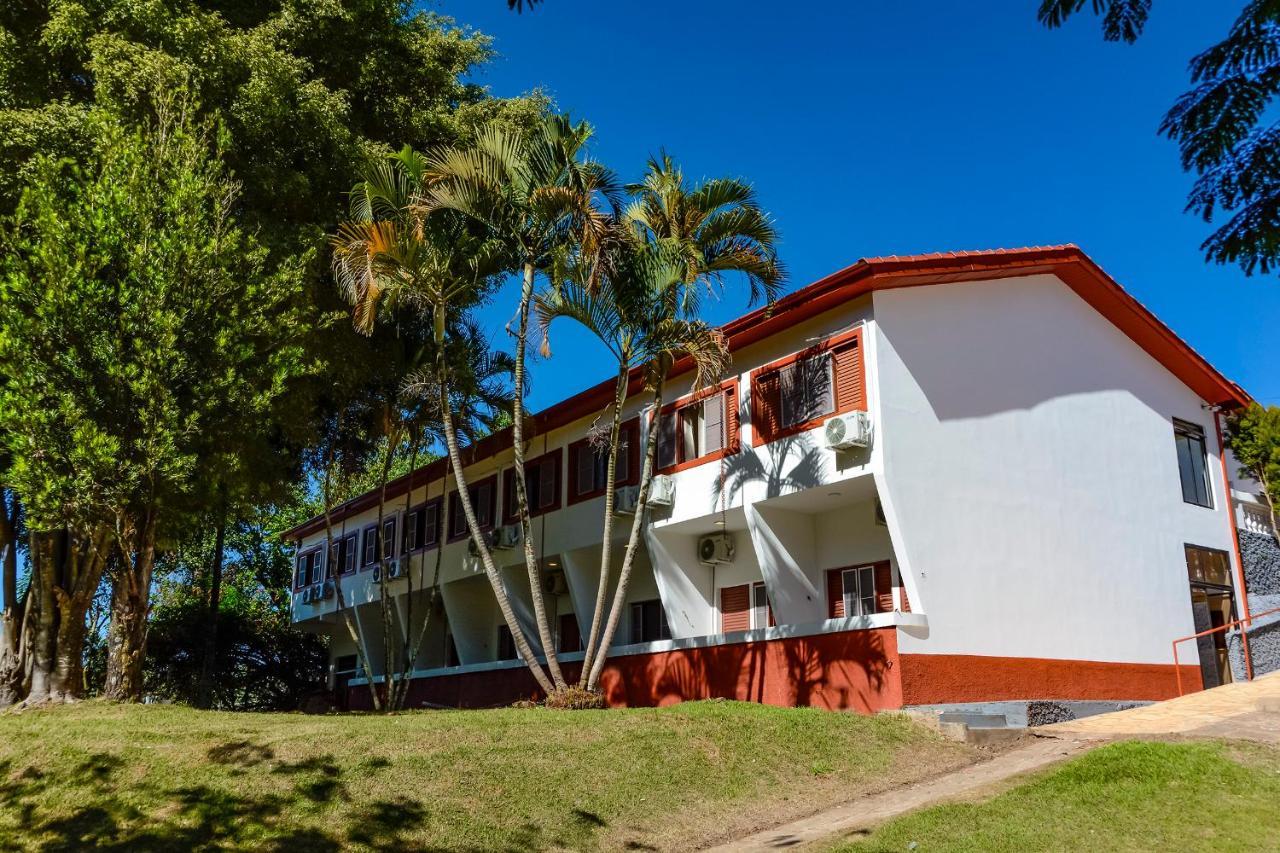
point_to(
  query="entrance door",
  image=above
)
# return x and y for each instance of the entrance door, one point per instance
(1212, 606)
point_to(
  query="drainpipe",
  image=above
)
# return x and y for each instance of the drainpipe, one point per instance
(1235, 540)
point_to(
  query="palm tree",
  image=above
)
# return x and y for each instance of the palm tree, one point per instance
(544, 201)
(390, 256)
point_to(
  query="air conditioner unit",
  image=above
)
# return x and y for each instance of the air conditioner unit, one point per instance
(716, 548)
(625, 499)
(849, 430)
(507, 536)
(306, 595)
(394, 569)
(490, 536)
(377, 573)
(662, 491)
(317, 594)
(554, 584)
(328, 590)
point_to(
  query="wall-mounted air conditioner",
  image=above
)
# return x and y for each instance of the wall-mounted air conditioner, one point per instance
(848, 430)
(306, 595)
(393, 569)
(662, 491)
(507, 536)
(328, 590)
(716, 548)
(554, 584)
(625, 499)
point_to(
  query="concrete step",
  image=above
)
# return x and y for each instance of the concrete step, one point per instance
(975, 721)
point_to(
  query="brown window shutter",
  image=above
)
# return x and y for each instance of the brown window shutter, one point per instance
(850, 394)
(835, 595)
(906, 602)
(731, 419)
(713, 433)
(884, 588)
(766, 405)
(735, 608)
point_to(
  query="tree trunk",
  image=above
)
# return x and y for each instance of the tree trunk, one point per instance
(204, 694)
(637, 528)
(482, 547)
(522, 496)
(11, 611)
(42, 622)
(130, 600)
(606, 548)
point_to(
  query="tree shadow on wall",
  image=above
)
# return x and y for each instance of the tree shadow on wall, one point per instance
(787, 465)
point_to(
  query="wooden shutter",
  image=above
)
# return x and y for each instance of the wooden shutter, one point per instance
(766, 407)
(584, 465)
(884, 588)
(713, 423)
(835, 594)
(847, 369)
(819, 377)
(548, 479)
(906, 602)
(735, 608)
(731, 419)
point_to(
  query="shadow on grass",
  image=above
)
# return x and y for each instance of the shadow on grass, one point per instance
(34, 810)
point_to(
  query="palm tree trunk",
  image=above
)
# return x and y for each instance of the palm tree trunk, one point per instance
(482, 547)
(204, 694)
(637, 527)
(522, 496)
(384, 596)
(412, 650)
(606, 548)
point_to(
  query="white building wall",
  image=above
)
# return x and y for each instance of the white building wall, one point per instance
(1030, 478)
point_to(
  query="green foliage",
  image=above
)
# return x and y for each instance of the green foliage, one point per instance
(142, 336)
(1224, 125)
(262, 661)
(1253, 435)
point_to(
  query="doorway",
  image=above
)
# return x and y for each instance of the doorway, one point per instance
(1212, 606)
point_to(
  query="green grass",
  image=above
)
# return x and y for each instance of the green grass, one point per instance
(1126, 796)
(160, 778)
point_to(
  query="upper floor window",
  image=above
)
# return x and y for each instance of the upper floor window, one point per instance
(376, 546)
(799, 392)
(699, 429)
(589, 463)
(482, 501)
(349, 552)
(422, 526)
(542, 486)
(1193, 467)
(369, 556)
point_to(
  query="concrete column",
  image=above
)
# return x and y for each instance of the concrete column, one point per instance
(785, 547)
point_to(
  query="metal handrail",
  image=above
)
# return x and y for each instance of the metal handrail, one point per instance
(1244, 639)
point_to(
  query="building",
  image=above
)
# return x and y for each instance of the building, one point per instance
(1040, 508)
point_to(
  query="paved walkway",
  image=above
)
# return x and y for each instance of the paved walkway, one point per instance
(1249, 710)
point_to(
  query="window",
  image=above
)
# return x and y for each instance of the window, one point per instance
(482, 500)
(349, 550)
(370, 555)
(588, 463)
(648, 622)
(1193, 467)
(542, 476)
(858, 589)
(302, 572)
(388, 543)
(704, 428)
(569, 637)
(1208, 566)
(806, 390)
(761, 612)
(506, 644)
(422, 527)
(799, 392)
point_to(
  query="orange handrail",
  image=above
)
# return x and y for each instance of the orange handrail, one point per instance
(1244, 639)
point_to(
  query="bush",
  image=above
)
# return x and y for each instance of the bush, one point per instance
(575, 699)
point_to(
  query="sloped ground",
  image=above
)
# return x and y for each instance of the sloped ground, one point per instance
(169, 778)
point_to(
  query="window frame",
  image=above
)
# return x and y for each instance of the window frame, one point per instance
(664, 629)
(369, 539)
(630, 432)
(761, 435)
(860, 595)
(732, 443)
(351, 553)
(1191, 433)
(510, 510)
(766, 610)
(456, 501)
(421, 511)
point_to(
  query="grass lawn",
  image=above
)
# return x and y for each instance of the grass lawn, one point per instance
(1126, 796)
(159, 778)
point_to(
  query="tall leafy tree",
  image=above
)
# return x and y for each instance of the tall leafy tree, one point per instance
(1254, 439)
(1224, 125)
(542, 199)
(142, 339)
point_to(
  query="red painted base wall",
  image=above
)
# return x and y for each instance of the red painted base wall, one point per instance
(854, 670)
(939, 679)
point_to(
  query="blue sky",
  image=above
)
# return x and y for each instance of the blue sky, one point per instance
(881, 128)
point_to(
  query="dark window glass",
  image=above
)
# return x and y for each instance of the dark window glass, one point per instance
(506, 644)
(649, 622)
(1193, 468)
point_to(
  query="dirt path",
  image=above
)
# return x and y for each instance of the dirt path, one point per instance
(867, 812)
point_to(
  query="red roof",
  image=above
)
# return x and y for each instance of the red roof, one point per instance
(1068, 262)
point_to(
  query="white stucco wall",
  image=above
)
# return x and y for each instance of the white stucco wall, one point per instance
(1030, 477)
